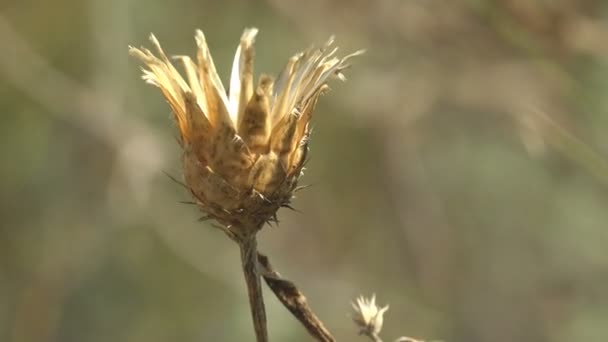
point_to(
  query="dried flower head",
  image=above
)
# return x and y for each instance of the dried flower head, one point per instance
(368, 317)
(243, 150)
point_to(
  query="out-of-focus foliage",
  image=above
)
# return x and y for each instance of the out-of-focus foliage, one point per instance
(460, 173)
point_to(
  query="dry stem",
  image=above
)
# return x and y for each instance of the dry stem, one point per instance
(294, 300)
(248, 246)
(374, 337)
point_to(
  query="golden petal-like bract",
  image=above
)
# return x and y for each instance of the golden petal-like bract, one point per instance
(243, 150)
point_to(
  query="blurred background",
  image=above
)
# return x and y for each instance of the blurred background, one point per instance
(460, 174)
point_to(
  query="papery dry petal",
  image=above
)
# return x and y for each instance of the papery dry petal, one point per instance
(302, 126)
(297, 159)
(282, 86)
(194, 82)
(254, 124)
(161, 76)
(282, 139)
(215, 95)
(241, 82)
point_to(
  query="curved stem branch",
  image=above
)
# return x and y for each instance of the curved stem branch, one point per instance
(294, 300)
(249, 247)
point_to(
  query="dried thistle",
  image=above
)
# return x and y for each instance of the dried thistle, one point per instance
(368, 317)
(243, 150)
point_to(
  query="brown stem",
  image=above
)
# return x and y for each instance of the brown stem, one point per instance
(294, 300)
(249, 247)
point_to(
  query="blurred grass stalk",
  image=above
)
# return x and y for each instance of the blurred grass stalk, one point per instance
(570, 146)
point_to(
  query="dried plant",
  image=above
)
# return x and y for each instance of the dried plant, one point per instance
(369, 318)
(243, 150)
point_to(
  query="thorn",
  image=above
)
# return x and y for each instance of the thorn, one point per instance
(179, 140)
(262, 197)
(288, 206)
(301, 187)
(187, 202)
(305, 161)
(219, 227)
(176, 180)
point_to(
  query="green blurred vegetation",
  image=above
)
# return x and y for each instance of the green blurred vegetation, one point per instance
(460, 173)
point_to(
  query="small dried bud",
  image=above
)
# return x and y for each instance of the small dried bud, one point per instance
(243, 150)
(368, 317)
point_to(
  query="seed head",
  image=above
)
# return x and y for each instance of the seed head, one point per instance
(243, 150)
(368, 317)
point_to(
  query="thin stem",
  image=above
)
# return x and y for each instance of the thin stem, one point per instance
(374, 337)
(294, 300)
(249, 246)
